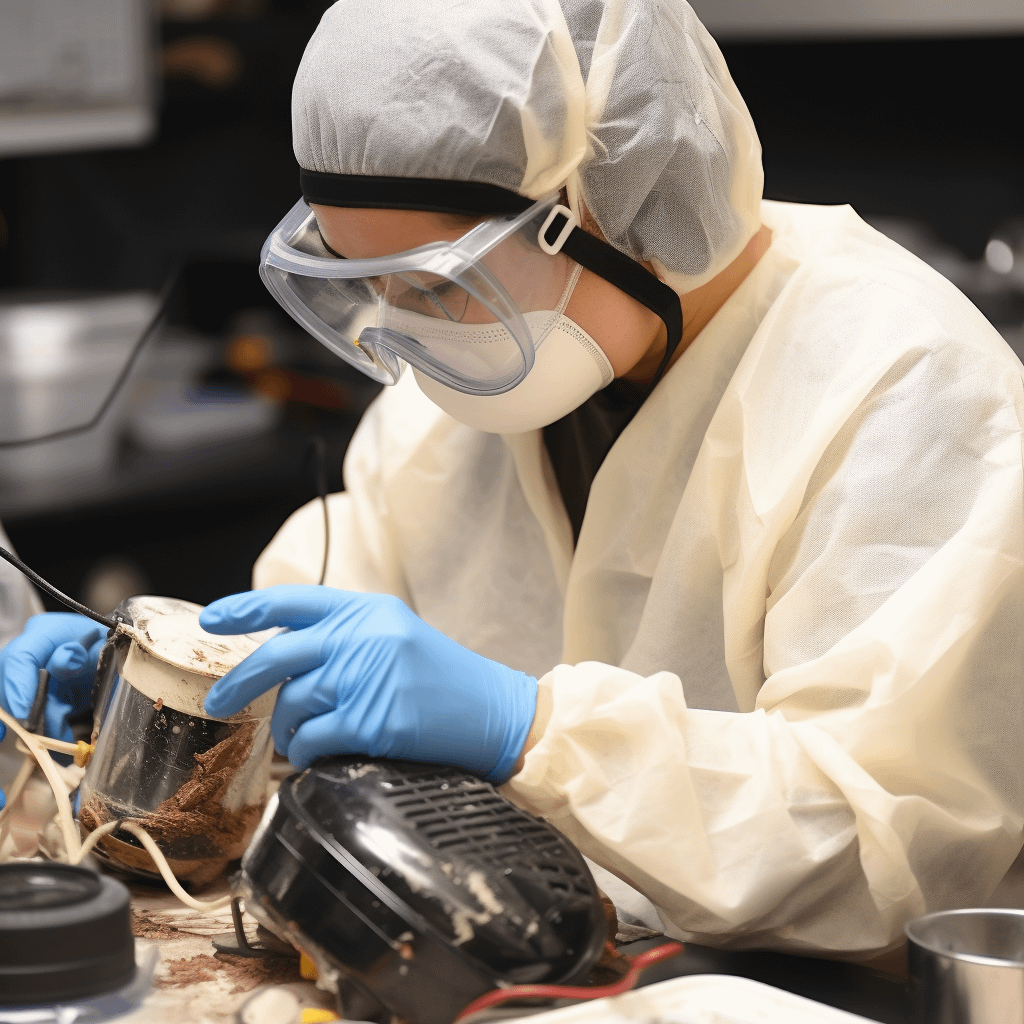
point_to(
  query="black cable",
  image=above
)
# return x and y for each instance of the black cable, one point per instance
(35, 720)
(318, 450)
(151, 327)
(630, 277)
(49, 588)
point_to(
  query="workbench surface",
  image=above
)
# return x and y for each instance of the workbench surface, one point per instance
(193, 983)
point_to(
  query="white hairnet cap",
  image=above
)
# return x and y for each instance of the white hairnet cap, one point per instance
(627, 103)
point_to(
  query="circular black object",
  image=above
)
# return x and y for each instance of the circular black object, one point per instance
(65, 934)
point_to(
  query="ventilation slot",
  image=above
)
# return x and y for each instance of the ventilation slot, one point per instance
(469, 819)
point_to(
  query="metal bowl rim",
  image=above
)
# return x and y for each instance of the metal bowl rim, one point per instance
(972, 958)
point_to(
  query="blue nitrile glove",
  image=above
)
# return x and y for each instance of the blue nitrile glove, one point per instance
(68, 647)
(365, 675)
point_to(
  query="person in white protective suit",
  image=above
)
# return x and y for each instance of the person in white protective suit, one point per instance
(734, 602)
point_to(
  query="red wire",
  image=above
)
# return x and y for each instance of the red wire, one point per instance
(636, 964)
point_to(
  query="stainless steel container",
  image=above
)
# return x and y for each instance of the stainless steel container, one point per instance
(967, 967)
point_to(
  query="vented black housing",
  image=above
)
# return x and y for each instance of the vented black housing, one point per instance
(419, 887)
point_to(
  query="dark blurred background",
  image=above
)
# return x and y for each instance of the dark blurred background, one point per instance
(921, 135)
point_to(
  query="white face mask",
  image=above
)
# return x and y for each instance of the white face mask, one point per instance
(569, 368)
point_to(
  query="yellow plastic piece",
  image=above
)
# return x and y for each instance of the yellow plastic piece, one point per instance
(83, 753)
(313, 1015)
(308, 971)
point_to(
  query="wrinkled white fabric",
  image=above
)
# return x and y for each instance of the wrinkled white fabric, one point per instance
(18, 599)
(533, 95)
(785, 659)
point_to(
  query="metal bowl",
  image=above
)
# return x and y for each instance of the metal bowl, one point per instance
(967, 966)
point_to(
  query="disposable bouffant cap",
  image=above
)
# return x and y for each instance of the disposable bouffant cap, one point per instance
(627, 103)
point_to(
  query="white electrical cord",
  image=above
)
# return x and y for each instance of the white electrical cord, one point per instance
(24, 774)
(92, 839)
(65, 818)
(165, 869)
(58, 746)
(77, 850)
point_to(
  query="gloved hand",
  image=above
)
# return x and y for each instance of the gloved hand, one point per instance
(68, 647)
(363, 674)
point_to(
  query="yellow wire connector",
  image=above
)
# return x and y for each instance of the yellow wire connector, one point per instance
(307, 968)
(83, 753)
(314, 1015)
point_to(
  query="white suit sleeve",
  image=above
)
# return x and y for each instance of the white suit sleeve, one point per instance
(18, 599)
(360, 551)
(877, 774)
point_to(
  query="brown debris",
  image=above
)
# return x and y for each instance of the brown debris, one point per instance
(611, 917)
(187, 971)
(244, 974)
(248, 973)
(195, 812)
(144, 928)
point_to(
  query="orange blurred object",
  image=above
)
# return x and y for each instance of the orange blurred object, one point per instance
(248, 352)
(213, 62)
(273, 383)
(289, 385)
(314, 1015)
(307, 968)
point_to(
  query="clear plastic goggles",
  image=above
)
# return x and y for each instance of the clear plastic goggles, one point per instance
(469, 313)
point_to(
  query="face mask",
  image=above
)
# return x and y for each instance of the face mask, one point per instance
(569, 368)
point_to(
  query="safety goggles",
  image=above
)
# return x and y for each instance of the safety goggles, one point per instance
(469, 313)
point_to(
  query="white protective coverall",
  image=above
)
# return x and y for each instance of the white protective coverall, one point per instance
(18, 599)
(786, 657)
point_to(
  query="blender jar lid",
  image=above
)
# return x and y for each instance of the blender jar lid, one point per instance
(173, 659)
(168, 628)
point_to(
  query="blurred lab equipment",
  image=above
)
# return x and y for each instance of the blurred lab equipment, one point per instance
(75, 74)
(1004, 252)
(967, 966)
(111, 580)
(60, 361)
(173, 408)
(199, 456)
(197, 10)
(788, 19)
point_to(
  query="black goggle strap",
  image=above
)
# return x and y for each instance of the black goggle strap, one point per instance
(374, 192)
(628, 276)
